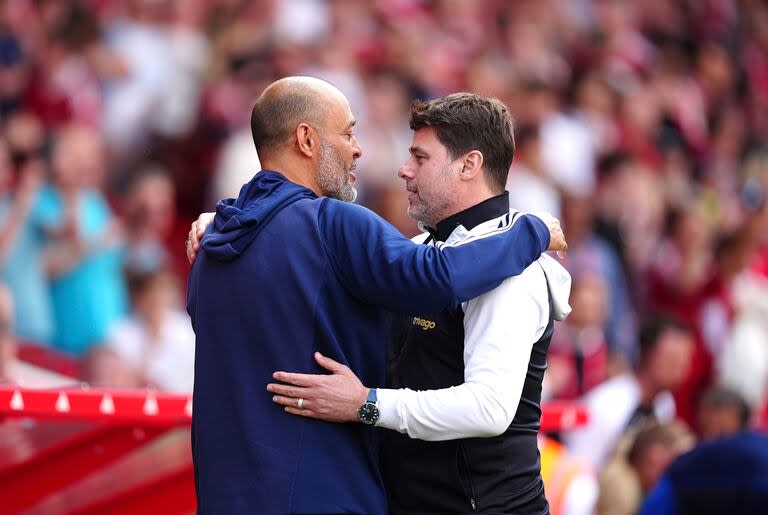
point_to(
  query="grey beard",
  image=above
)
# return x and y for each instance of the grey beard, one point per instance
(332, 176)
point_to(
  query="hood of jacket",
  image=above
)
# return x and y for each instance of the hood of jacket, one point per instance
(559, 281)
(238, 221)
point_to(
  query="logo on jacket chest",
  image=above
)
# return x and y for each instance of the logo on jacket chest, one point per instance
(423, 323)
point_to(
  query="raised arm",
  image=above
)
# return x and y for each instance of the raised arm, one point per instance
(379, 266)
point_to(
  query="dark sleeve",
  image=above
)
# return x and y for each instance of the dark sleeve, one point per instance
(378, 265)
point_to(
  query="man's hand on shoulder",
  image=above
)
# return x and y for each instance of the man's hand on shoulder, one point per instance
(333, 397)
(557, 241)
(196, 232)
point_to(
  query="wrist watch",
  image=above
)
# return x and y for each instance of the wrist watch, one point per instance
(369, 412)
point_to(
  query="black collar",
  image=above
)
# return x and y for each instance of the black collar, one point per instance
(471, 217)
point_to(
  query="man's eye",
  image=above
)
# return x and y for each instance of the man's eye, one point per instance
(350, 135)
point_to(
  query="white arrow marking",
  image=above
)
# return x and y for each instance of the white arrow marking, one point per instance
(107, 405)
(62, 403)
(17, 402)
(150, 406)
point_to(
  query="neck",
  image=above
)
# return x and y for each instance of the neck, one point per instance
(296, 172)
(466, 200)
(648, 389)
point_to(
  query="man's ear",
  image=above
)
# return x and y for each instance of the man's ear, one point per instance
(472, 163)
(306, 139)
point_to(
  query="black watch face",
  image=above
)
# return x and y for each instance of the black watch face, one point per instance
(369, 413)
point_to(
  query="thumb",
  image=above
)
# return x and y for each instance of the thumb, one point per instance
(330, 365)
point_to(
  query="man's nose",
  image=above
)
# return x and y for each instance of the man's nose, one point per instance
(356, 148)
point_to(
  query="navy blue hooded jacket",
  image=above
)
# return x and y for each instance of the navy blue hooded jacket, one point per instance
(285, 273)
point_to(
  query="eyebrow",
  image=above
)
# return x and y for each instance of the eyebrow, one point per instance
(418, 150)
(351, 124)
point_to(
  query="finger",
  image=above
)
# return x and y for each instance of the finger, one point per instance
(287, 390)
(330, 365)
(557, 241)
(291, 402)
(191, 252)
(562, 253)
(203, 221)
(200, 230)
(298, 379)
(196, 235)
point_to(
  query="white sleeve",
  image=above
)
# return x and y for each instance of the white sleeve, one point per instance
(500, 328)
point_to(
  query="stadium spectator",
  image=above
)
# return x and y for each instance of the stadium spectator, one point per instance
(721, 412)
(577, 360)
(83, 260)
(654, 448)
(22, 243)
(154, 346)
(530, 189)
(591, 254)
(151, 225)
(640, 458)
(628, 399)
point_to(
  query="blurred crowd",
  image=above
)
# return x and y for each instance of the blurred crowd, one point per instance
(642, 125)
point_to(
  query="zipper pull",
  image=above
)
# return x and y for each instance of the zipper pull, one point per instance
(472, 502)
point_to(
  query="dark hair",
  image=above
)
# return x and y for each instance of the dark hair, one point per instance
(275, 116)
(652, 329)
(721, 397)
(465, 122)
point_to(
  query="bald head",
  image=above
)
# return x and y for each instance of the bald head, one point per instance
(285, 104)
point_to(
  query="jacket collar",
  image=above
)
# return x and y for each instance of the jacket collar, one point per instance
(471, 217)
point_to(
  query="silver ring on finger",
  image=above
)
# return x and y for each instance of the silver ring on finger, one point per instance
(300, 403)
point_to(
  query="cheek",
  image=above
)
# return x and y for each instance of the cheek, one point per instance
(425, 192)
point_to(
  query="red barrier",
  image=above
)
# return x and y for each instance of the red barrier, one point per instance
(98, 451)
(66, 462)
(143, 407)
(48, 475)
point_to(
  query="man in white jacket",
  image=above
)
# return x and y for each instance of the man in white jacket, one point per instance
(464, 402)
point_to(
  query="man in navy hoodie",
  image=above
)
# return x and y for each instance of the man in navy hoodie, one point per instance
(288, 269)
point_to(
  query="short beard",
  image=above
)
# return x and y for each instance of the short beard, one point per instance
(441, 202)
(333, 176)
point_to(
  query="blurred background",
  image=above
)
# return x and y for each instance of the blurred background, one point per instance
(642, 125)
